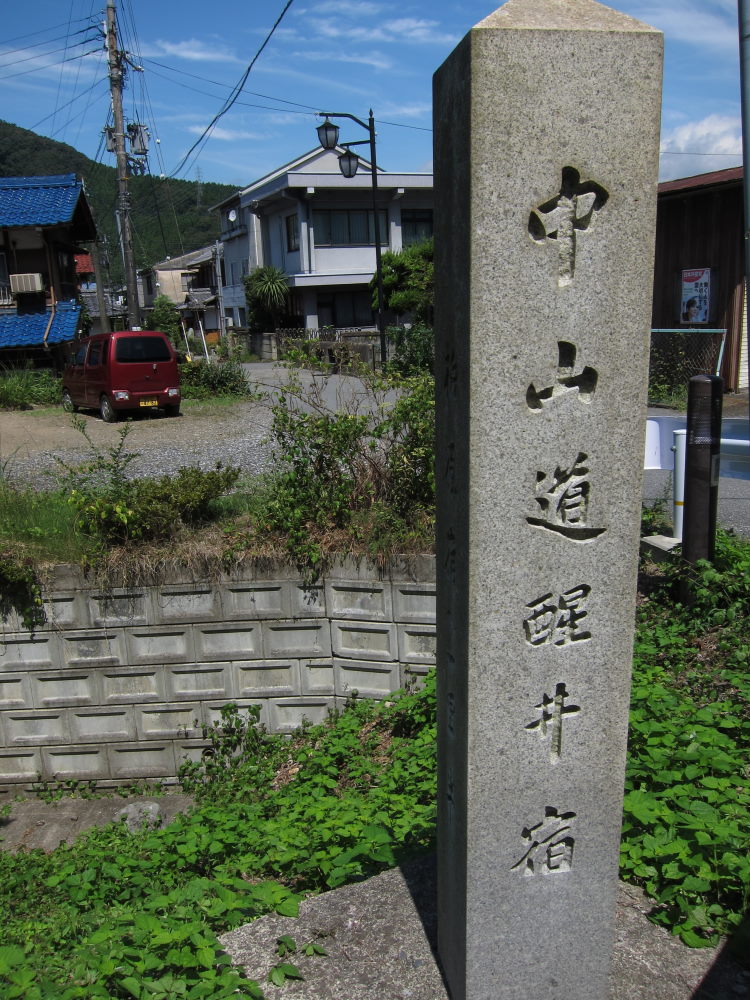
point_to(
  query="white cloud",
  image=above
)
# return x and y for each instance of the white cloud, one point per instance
(192, 50)
(374, 59)
(403, 29)
(226, 134)
(406, 110)
(354, 8)
(698, 147)
(708, 24)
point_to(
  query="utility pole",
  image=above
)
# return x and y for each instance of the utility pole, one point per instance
(101, 295)
(116, 60)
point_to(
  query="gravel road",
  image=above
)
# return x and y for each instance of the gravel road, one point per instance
(202, 435)
(233, 433)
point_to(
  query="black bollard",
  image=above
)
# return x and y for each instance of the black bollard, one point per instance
(702, 467)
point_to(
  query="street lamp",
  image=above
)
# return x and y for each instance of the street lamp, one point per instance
(328, 135)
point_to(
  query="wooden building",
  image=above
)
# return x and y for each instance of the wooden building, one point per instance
(699, 270)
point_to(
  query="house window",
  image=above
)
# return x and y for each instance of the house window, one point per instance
(416, 225)
(4, 278)
(149, 285)
(345, 309)
(292, 232)
(185, 281)
(348, 228)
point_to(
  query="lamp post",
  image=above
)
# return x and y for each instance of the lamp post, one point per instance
(328, 135)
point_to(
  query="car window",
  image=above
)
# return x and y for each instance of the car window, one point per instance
(80, 355)
(136, 349)
(94, 354)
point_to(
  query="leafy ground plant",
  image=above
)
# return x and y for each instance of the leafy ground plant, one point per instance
(120, 915)
(686, 833)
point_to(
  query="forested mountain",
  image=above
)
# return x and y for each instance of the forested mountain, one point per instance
(170, 217)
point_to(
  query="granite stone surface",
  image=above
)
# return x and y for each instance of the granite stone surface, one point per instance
(546, 159)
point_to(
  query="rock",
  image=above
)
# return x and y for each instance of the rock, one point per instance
(138, 815)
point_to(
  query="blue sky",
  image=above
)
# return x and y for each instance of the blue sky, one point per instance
(338, 55)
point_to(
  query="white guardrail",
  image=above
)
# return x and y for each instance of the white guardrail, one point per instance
(666, 442)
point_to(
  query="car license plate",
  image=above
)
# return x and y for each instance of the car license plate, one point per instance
(149, 402)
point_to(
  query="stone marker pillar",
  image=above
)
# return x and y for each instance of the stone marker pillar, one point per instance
(546, 157)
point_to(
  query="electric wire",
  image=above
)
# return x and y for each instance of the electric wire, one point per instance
(33, 34)
(235, 93)
(37, 69)
(150, 117)
(39, 55)
(97, 83)
(309, 108)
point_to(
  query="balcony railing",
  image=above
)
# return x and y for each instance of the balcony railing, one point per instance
(6, 298)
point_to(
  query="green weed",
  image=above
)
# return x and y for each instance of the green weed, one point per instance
(22, 388)
(686, 828)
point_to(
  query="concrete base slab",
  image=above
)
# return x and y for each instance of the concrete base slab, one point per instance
(658, 547)
(380, 937)
(46, 825)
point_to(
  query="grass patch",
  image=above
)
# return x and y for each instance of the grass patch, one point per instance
(22, 388)
(40, 526)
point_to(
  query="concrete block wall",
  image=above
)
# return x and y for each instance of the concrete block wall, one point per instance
(116, 686)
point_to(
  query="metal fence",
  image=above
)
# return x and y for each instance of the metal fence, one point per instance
(339, 347)
(677, 355)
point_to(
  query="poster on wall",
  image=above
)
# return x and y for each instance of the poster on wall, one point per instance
(695, 300)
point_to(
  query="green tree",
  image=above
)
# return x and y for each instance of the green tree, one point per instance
(409, 282)
(165, 318)
(267, 296)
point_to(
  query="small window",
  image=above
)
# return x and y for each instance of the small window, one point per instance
(416, 225)
(140, 349)
(292, 233)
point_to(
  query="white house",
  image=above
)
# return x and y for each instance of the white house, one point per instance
(319, 228)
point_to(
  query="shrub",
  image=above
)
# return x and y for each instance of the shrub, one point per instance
(114, 508)
(335, 467)
(413, 349)
(200, 380)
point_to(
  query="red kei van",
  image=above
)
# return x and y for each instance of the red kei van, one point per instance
(127, 370)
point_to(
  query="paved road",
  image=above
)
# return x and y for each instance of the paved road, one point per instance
(734, 492)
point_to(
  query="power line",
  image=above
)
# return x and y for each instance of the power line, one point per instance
(54, 27)
(48, 52)
(236, 92)
(83, 93)
(36, 69)
(47, 41)
(309, 108)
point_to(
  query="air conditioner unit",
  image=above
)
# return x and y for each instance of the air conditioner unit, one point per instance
(21, 283)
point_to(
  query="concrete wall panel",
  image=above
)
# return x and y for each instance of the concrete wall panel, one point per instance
(117, 686)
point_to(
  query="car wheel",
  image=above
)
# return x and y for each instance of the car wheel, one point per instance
(67, 402)
(107, 411)
(173, 410)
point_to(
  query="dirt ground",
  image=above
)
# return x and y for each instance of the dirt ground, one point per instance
(49, 429)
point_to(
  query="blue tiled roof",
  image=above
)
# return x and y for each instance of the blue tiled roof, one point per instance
(28, 330)
(38, 201)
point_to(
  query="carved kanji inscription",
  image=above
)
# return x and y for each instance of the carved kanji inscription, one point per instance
(549, 845)
(567, 213)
